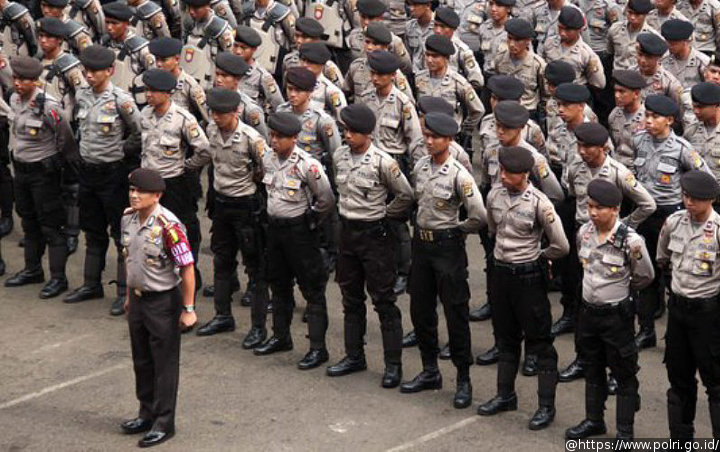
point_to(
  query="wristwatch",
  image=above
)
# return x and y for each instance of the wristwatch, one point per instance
(189, 308)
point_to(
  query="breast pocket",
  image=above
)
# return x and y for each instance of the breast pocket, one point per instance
(666, 172)
(442, 197)
(106, 124)
(154, 254)
(702, 264)
(169, 146)
(613, 265)
(291, 190)
(33, 127)
(390, 122)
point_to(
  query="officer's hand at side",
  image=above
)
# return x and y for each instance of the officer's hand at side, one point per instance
(187, 320)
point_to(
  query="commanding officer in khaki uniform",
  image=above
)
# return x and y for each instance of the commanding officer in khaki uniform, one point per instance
(622, 35)
(417, 31)
(683, 61)
(109, 131)
(307, 30)
(257, 83)
(299, 198)
(704, 135)
(158, 260)
(463, 60)
(365, 176)
(615, 264)
(519, 216)
(314, 56)
(688, 248)
(439, 265)
(43, 144)
(78, 37)
(628, 117)
(705, 16)
(664, 10)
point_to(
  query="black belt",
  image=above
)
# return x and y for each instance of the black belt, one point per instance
(286, 222)
(360, 225)
(604, 308)
(105, 167)
(149, 293)
(519, 269)
(667, 210)
(694, 301)
(240, 201)
(31, 167)
(436, 235)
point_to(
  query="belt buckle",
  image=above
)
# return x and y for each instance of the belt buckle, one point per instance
(138, 292)
(426, 235)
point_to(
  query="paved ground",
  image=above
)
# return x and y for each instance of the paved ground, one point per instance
(67, 383)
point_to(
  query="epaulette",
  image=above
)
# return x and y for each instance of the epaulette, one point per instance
(163, 219)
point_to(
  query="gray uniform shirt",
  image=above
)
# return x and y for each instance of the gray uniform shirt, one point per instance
(455, 89)
(622, 44)
(706, 141)
(328, 97)
(319, 135)
(39, 133)
(415, 36)
(189, 95)
(530, 71)
(262, 88)
(623, 127)
(356, 43)
(706, 20)
(688, 72)
(588, 67)
(358, 80)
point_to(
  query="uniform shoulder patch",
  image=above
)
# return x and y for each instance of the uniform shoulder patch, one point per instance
(157, 21)
(128, 107)
(335, 99)
(407, 113)
(549, 214)
(194, 131)
(254, 118)
(395, 169)
(467, 188)
(630, 179)
(328, 129)
(314, 170)
(696, 159)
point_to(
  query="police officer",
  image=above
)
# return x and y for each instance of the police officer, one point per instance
(628, 117)
(257, 82)
(417, 31)
(109, 130)
(659, 80)
(158, 260)
(43, 144)
(664, 10)
(299, 197)
(439, 265)
(428, 104)
(622, 34)
(149, 19)
(557, 73)
(365, 176)
(276, 24)
(337, 19)
(90, 14)
(314, 56)
(492, 37)
(77, 34)
(615, 263)
(704, 135)
(19, 37)
(520, 215)
(463, 60)
(308, 29)
(705, 15)
(683, 61)
(544, 18)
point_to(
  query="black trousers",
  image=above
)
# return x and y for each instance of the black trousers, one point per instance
(181, 197)
(155, 343)
(439, 270)
(367, 258)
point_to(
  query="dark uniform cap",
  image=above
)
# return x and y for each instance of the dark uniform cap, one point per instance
(309, 27)
(358, 118)
(146, 179)
(371, 8)
(662, 105)
(301, 77)
(508, 3)
(652, 44)
(431, 104)
(604, 193)
(570, 92)
(520, 28)
(118, 11)
(52, 26)
(249, 36)
(378, 32)
(165, 47)
(231, 63)
(512, 114)
(383, 62)
(159, 80)
(506, 87)
(592, 134)
(640, 6)
(676, 30)
(571, 17)
(197, 2)
(57, 3)
(315, 52)
(97, 57)
(447, 16)
(286, 124)
(706, 93)
(26, 67)
(558, 72)
(442, 124)
(629, 79)
(223, 100)
(516, 160)
(440, 44)
(700, 185)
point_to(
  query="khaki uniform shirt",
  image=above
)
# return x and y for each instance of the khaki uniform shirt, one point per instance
(262, 88)
(487, 135)
(655, 20)
(463, 61)
(588, 67)
(706, 20)
(331, 69)
(415, 36)
(319, 136)
(455, 89)
(471, 19)
(599, 16)
(530, 71)
(706, 141)
(623, 127)
(328, 97)
(189, 95)
(251, 114)
(38, 134)
(622, 43)
(358, 80)
(356, 43)
(688, 72)
(493, 40)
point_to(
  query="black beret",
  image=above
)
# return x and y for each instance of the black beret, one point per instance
(512, 114)
(447, 16)
(165, 47)
(249, 36)
(231, 63)
(558, 72)
(378, 32)
(223, 100)
(442, 124)
(700, 185)
(309, 27)
(592, 134)
(629, 79)
(506, 87)
(26, 67)
(118, 10)
(652, 44)
(358, 118)
(516, 159)
(159, 80)
(383, 62)
(371, 8)
(315, 52)
(286, 124)
(604, 193)
(146, 179)
(571, 17)
(706, 93)
(97, 57)
(52, 26)
(640, 6)
(440, 44)
(662, 105)
(430, 104)
(508, 3)
(520, 28)
(197, 2)
(676, 30)
(570, 92)
(301, 77)
(57, 3)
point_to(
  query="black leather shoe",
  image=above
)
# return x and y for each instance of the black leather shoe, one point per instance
(137, 425)
(612, 385)
(427, 379)
(2, 267)
(586, 429)
(410, 340)
(529, 368)
(463, 395)
(489, 357)
(542, 418)
(481, 313)
(247, 297)
(498, 404)
(219, 324)
(255, 337)
(208, 291)
(574, 371)
(25, 277)
(273, 345)
(6, 226)
(155, 437)
(53, 288)
(347, 365)
(392, 376)
(72, 244)
(313, 359)
(645, 339)
(445, 352)
(400, 286)
(118, 306)
(562, 326)
(83, 293)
